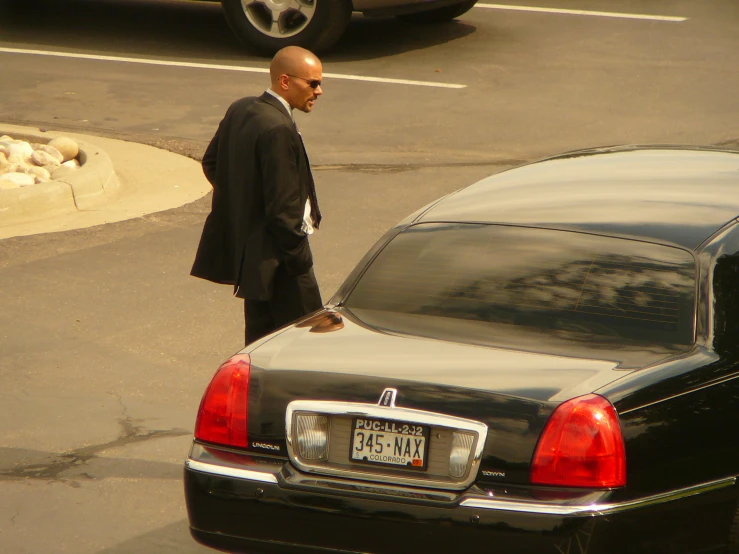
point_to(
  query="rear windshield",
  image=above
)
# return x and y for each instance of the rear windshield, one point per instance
(541, 279)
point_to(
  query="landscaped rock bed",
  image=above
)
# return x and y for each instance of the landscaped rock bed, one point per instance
(24, 163)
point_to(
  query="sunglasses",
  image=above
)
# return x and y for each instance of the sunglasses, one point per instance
(312, 83)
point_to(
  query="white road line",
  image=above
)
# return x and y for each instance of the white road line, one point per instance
(223, 67)
(582, 12)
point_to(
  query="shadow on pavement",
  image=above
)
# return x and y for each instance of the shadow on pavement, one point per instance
(189, 30)
(170, 538)
(368, 38)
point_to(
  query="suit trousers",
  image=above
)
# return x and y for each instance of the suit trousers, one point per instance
(293, 297)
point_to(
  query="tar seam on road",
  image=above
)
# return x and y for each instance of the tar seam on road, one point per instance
(669, 18)
(146, 61)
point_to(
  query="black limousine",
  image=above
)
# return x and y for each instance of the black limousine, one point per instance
(546, 361)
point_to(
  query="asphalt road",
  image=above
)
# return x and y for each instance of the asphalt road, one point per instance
(106, 343)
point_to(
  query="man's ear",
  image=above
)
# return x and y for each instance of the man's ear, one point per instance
(284, 81)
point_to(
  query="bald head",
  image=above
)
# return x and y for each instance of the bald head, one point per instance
(292, 60)
(293, 70)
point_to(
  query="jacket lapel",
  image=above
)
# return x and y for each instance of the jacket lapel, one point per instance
(315, 212)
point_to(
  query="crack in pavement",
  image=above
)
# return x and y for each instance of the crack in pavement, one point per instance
(398, 168)
(730, 143)
(14, 516)
(60, 463)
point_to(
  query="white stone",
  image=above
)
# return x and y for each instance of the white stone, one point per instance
(19, 161)
(8, 168)
(44, 159)
(7, 185)
(5, 163)
(72, 164)
(39, 173)
(67, 146)
(4, 151)
(21, 179)
(49, 150)
(18, 148)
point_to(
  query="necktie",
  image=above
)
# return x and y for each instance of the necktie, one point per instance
(315, 213)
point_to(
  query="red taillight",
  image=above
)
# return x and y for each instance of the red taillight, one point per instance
(222, 416)
(581, 446)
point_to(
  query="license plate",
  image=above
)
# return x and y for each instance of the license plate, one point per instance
(390, 443)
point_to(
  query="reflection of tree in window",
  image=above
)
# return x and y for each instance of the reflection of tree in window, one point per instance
(612, 285)
(602, 294)
(552, 281)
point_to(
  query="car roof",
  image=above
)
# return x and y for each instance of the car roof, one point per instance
(667, 194)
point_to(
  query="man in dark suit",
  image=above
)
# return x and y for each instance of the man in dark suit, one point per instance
(264, 199)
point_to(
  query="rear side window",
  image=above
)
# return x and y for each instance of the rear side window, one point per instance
(587, 284)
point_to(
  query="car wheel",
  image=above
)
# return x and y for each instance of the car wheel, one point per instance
(269, 25)
(439, 15)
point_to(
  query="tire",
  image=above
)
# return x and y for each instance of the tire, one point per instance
(312, 24)
(439, 15)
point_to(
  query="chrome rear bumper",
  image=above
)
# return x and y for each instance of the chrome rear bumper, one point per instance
(275, 471)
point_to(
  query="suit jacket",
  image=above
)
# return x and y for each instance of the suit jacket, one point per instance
(261, 180)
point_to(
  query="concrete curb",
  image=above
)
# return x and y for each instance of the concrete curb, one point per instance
(93, 183)
(146, 180)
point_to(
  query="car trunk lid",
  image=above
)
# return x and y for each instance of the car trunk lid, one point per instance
(512, 392)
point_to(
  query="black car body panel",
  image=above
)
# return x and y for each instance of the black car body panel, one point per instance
(514, 400)
(293, 513)
(670, 196)
(677, 403)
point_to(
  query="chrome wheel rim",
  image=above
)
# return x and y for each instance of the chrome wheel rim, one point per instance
(279, 18)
